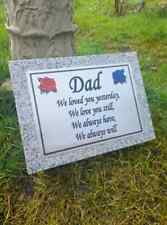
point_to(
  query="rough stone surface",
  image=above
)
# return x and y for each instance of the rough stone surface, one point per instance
(35, 159)
(40, 28)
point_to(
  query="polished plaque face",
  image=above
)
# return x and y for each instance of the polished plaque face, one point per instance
(75, 108)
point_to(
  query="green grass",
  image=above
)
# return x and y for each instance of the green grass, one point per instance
(4, 45)
(128, 187)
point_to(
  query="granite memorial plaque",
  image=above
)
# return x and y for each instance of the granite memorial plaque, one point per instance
(74, 108)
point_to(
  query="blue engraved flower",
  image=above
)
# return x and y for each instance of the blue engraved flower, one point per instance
(119, 76)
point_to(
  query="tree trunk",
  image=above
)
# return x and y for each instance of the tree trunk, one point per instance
(141, 6)
(40, 28)
(116, 6)
(119, 7)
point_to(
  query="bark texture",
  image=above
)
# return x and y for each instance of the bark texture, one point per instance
(119, 5)
(40, 28)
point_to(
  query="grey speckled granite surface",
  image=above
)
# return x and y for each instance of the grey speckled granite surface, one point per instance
(35, 159)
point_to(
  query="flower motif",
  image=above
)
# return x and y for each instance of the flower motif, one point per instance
(119, 77)
(47, 85)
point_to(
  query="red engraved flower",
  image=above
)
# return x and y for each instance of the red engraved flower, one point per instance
(47, 85)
